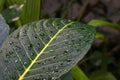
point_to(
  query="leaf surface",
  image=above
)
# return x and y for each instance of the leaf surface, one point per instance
(4, 30)
(66, 76)
(44, 50)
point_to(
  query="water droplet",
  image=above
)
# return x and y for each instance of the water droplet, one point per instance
(16, 61)
(5, 69)
(43, 63)
(66, 52)
(53, 72)
(53, 78)
(68, 60)
(25, 63)
(7, 55)
(65, 70)
(31, 54)
(10, 43)
(56, 67)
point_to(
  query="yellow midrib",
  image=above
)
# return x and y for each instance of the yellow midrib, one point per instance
(32, 63)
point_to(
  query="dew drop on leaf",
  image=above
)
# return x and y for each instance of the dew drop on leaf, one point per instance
(68, 60)
(5, 69)
(16, 61)
(65, 52)
(10, 43)
(53, 78)
(53, 72)
(43, 63)
(25, 63)
(31, 54)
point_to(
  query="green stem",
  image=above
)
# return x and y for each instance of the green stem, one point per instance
(98, 23)
(104, 58)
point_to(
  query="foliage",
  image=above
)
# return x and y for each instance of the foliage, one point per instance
(45, 49)
(27, 47)
(78, 74)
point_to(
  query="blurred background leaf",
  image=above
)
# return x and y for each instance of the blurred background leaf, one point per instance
(31, 11)
(102, 75)
(78, 74)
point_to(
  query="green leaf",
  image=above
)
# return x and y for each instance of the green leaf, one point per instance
(31, 11)
(78, 74)
(4, 30)
(11, 14)
(44, 50)
(97, 23)
(1, 4)
(102, 75)
(12, 2)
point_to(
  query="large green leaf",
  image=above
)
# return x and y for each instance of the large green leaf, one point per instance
(102, 75)
(4, 30)
(44, 50)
